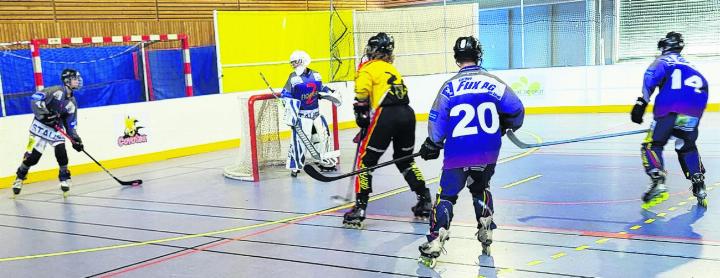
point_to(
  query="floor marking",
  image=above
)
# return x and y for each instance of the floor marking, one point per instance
(581, 247)
(649, 220)
(662, 214)
(558, 255)
(682, 203)
(535, 262)
(635, 227)
(672, 208)
(602, 240)
(522, 181)
(505, 271)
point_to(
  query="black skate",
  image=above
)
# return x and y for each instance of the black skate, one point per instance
(354, 218)
(484, 234)
(423, 208)
(657, 192)
(17, 187)
(698, 189)
(430, 251)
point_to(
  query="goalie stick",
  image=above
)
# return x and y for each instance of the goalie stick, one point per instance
(303, 137)
(133, 182)
(522, 145)
(315, 173)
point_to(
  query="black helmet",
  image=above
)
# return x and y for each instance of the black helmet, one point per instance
(68, 74)
(380, 43)
(671, 42)
(468, 49)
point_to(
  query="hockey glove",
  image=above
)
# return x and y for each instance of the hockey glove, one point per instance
(430, 150)
(77, 143)
(362, 113)
(50, 119)
(638, 110)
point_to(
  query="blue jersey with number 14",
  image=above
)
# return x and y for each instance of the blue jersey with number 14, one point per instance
(683, 89)
(469, 115)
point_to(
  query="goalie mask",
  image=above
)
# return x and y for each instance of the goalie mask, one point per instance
(468, 49)
(299, 60)
(68, 76)
(671, 42)
(379, 45)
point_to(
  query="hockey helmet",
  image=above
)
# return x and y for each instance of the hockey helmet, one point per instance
(380, 43)
(68, 75)
(673, 41)
(299, 60)
(468, 49)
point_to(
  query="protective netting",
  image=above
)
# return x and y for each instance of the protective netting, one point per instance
(270, 152)
(643, 23)
(341, 68)
(423, 36)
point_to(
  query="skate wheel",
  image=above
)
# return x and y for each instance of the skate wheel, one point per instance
(703, 203)
(659, 199)
(357, 226)
(427, 261)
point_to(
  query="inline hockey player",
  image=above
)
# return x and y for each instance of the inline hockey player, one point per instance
(382, 107)
(679, 105)
(468, 118)
(54, 108)
(301, 95)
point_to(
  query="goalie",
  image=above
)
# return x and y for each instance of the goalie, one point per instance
(301, 95)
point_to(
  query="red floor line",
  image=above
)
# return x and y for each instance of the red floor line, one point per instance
(197, 249)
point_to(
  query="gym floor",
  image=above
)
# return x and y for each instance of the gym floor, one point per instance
(569, 210)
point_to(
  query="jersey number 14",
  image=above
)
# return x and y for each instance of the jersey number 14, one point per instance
(464, 127)
(692, 81)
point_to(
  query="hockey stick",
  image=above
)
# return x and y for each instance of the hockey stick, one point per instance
(314, 172)
(351, 186)
(133, 182)
(303, 137)
(520, 144)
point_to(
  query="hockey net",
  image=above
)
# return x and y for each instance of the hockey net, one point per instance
(262, 142)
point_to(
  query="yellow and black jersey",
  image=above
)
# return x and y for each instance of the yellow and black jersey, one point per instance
(381, 84)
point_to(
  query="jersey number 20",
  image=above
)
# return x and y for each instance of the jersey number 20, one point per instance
(464, 127)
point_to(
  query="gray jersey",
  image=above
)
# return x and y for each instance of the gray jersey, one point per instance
(56, 100)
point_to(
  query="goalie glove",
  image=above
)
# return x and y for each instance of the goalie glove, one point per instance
(331, 96)
(292, 108)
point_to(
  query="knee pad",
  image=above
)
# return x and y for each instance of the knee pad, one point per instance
(61, 155)
(697, 178)
(651, 157)
(479, 179)
(31, 158)
(442, 215)
(64, 173)
(413, 176)
(483, 204)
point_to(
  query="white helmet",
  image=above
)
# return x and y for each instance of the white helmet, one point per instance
(299, 60)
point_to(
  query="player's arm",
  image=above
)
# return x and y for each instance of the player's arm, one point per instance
(39, 103)
(654, 77)
(361, 107)
(291, 100)
(511, 111)
(69, 121)
(438, 119)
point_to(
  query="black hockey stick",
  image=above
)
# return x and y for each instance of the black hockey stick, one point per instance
(133, 182)
(351, 186)
(314, 172)
(520, 144)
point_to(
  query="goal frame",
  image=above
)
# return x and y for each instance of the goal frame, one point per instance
(253, 136)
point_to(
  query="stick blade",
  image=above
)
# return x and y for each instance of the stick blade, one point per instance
(511, 135)
(131, 183)
(314, 172)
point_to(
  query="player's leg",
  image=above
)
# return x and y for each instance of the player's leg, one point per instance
(686, 132)
(403, 145)
(372, 147)
(451, 182)
(652, 159)
(64, 173)
(35, 148)
(479, 185)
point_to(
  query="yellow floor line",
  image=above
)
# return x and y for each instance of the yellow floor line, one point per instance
(682, 203)
(582, 247)
(534, 263)
(635, 227)
(672, 208)
(602, 240)
(558, 255)
(649, 220)
(522, 181)
(662, 214)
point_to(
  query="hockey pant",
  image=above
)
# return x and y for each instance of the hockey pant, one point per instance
(452, 182)
(317, 131)
(42, 136)
(394, 124)
(684, 129)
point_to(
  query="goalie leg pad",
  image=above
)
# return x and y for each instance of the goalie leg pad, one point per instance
(296, 153)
